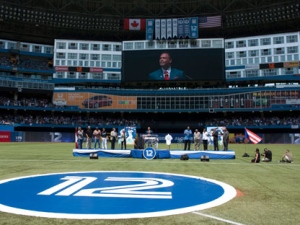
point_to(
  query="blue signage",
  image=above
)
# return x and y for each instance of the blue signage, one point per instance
(194, 27)
(110, 194)
(149, 153)
(149, 29)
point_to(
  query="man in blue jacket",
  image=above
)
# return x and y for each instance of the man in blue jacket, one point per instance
(166, 72)
(187, 138)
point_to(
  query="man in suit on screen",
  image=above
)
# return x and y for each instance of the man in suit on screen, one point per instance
(166, 72)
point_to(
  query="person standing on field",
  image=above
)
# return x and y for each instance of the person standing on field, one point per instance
(225, 139)
(89, 137)
(187, 138)
(79, 137)
(96, 134)
(104, 138)
(215, 135)
(205, 139)
(113, 138)
(197, 140)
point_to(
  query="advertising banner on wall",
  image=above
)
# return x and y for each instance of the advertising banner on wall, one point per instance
(16, 136)
(4, 136)
(291, 64)
(88, 100)
(48, 137)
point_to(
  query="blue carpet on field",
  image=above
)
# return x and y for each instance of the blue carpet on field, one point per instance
(160, 153)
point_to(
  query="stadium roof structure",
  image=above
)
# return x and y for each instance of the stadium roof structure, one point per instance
(42, 21)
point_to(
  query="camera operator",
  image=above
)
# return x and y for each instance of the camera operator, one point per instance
(267, 155)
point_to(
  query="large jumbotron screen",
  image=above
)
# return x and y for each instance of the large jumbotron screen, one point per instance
(196, 64)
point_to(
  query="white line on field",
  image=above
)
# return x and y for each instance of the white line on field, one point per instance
(217, 218)
(173, 161)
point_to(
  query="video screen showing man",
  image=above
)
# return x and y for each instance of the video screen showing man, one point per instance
(166, 71)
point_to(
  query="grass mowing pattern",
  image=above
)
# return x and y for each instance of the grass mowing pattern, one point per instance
(268, 192)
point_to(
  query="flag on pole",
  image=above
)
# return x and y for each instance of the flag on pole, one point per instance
(134, 24)
(252, 136)
(210, 21)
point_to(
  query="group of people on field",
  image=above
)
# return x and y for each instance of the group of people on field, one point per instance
(204, 137)
(100, 137)
(287, 157)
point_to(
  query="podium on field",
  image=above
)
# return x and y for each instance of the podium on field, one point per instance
(151, 140)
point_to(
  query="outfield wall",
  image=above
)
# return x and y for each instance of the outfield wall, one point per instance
(29, 136)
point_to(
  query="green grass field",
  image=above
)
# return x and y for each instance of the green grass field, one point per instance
(268, 193)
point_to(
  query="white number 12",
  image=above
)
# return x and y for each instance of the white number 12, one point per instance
(144, 189)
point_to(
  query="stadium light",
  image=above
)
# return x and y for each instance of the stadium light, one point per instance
(265, 15)
(58, 19)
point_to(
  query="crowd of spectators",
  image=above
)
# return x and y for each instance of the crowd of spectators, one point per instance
(33, 64)
(25, 63)
(26, 102)
(74, 120)
(41, 117)
(5, 61)
(254, 121)
(47, 118)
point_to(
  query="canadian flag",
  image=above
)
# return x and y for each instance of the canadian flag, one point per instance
(134, 24)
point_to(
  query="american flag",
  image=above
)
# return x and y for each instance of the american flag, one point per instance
(252, 136)
(210, 21)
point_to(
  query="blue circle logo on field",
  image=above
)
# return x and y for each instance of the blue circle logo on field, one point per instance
(149, 153)
(110, 194)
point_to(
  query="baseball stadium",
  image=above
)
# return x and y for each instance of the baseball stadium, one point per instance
(149, 112)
